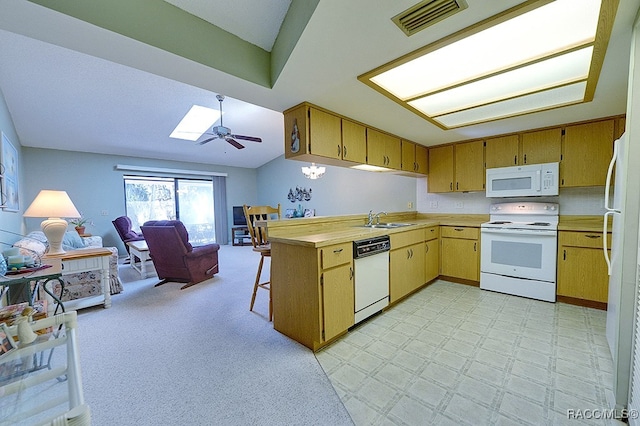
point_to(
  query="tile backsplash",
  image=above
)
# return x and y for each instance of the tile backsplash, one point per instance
(573, 201)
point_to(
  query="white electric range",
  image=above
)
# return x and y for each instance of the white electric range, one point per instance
(518, 249)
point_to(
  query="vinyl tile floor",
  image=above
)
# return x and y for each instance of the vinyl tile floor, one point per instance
(453, 354)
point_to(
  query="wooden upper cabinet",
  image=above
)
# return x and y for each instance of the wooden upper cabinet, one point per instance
(354, 142)
(538, 147)
(408, 156)
(383, 150)
(440, 177)
(544, 146)
(469, 166)
(414, 158)
(326, 134)
(422, 159)
(586, 153)
(502, 151)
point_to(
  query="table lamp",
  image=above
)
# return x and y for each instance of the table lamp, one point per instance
(54, 205)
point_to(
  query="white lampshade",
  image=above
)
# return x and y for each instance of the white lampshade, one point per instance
(53, 205)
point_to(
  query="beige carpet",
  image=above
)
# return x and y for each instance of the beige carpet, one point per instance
(165, 356)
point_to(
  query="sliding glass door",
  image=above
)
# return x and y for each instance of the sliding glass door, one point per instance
(187, 200)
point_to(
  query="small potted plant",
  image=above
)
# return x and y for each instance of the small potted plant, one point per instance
(80, 223)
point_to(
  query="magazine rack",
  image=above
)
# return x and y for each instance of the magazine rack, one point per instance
(50, 395)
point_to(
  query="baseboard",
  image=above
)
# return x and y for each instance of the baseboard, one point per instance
(582, 302)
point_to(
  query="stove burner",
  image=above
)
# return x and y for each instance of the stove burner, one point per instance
(500, 222)
(539, 224)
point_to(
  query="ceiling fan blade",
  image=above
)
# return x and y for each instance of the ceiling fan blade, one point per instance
(234, 143)
(247, 138)
(207, 140)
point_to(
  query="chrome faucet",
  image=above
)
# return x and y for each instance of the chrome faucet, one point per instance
(373, 217)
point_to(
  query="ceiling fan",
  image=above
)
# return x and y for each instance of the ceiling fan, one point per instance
(221, 132)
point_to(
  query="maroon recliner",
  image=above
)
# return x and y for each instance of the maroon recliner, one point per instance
(123, 226)
(174, 258)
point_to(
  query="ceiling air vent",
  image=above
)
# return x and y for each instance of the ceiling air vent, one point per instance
(427, 13)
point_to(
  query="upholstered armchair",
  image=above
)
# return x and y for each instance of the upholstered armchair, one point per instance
(174, 258)
(123, 226)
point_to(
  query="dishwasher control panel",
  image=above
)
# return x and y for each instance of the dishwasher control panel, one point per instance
(370, 246)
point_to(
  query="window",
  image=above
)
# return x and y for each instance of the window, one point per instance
(187, 200)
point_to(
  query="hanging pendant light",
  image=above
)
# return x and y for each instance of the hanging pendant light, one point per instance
(313, 172)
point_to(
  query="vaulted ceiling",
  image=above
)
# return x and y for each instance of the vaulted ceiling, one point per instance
(117, 78)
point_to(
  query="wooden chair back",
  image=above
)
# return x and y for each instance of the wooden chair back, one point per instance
(254, 214)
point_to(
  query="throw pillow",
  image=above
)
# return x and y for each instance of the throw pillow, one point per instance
(72, 239)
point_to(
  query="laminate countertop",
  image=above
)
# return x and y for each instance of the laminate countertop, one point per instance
(346, 233)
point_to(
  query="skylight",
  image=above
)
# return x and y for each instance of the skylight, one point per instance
(535, 56)
(197, 121)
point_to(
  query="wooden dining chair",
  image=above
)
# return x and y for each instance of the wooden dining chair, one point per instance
(260, 241)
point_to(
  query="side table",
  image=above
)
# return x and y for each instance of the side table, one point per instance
(84, 260)
(239, 234)
(139, 250)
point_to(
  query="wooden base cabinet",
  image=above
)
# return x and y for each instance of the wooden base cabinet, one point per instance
(406, 263)
(582, 270)
(460, 252)
(312, 292)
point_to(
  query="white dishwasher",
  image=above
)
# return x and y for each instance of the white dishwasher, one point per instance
(371, 271)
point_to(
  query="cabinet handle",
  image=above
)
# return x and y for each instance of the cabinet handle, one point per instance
(474, 246)
(339, 151)
(451, 186)
(337, 250)
(515, 159)
(458, 229)
(427, 246)
(564, 255)
(525, 159)
(457, 186)
(350, 273)
(593, 236)
(344, 151)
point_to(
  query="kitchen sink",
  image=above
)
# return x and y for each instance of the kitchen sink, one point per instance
(387, 225)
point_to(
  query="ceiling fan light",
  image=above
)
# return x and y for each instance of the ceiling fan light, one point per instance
(313, 172)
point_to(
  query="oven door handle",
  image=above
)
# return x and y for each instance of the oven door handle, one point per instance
(511, 231)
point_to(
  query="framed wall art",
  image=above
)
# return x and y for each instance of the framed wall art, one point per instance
(9, 172)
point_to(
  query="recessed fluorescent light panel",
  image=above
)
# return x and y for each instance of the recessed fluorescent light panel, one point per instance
(536, 56)
(197, 121)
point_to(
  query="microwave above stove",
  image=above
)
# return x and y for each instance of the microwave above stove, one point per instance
(533, 180)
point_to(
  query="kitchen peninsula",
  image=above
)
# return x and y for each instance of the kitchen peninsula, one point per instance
(312, 267)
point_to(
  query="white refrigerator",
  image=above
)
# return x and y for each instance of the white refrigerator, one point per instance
(622, 205)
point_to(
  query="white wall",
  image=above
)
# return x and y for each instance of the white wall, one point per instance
(340, 191)
(573, 201)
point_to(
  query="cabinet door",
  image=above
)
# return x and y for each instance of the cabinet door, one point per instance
(460, 258)
(432, 260)
(326, 134)
(440, 178)
(502, 151)
(338, 300)
(422, 159)
(393, 151)
(354, 142)
(582, 274)
(376, 154)
(469, 166)
(406, 270)
(544, 146)
(587, 151)
(408, 156)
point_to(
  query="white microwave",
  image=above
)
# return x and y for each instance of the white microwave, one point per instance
(533, 180)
